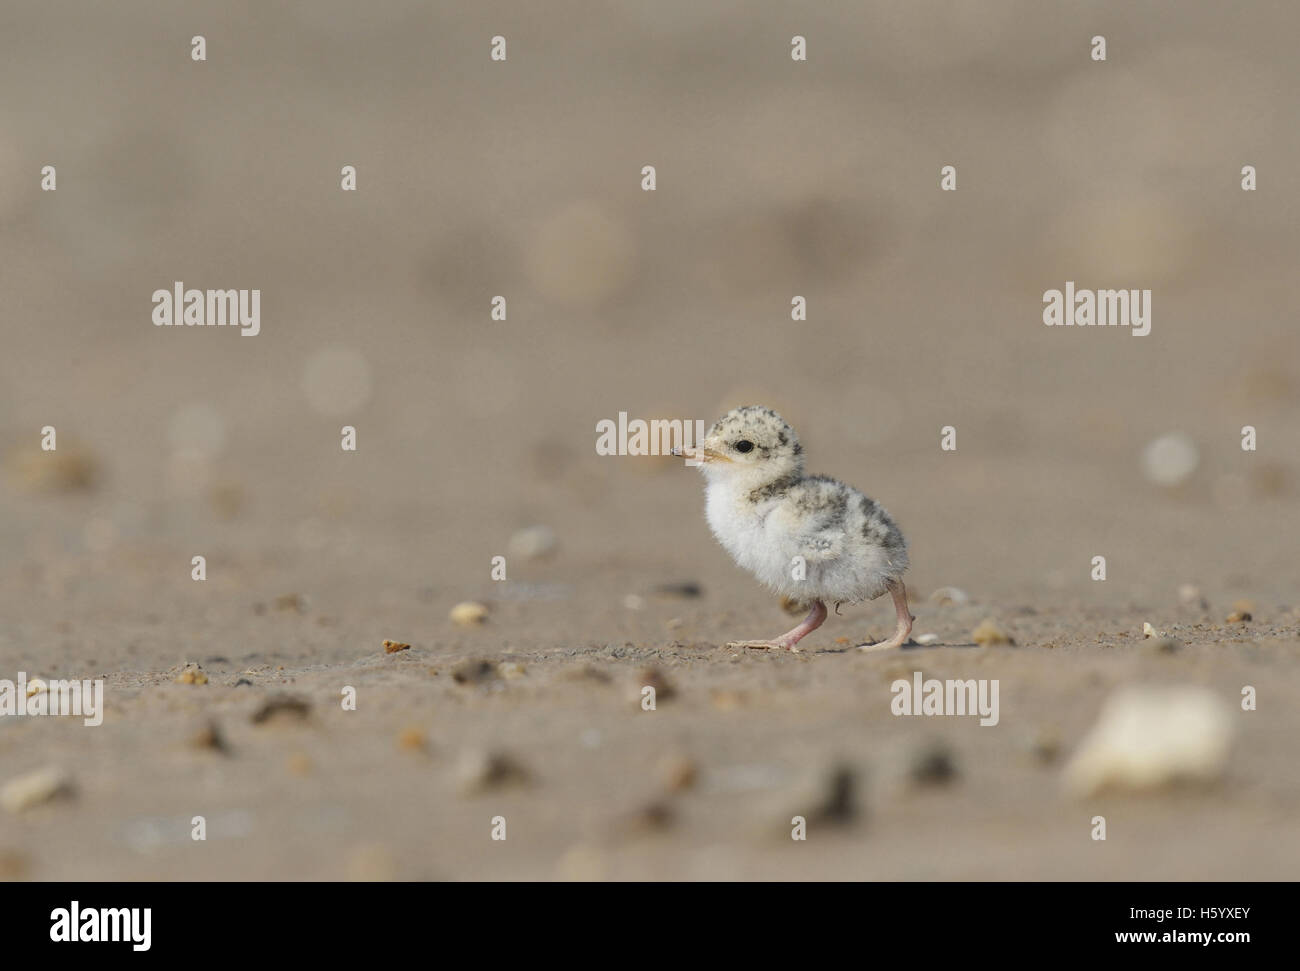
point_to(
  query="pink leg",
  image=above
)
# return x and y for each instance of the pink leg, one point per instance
(905, 618)
(790, 638)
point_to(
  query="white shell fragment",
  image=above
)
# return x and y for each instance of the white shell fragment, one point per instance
(1150, 737)
(468, 614)
(1170, 459)
(34, 788)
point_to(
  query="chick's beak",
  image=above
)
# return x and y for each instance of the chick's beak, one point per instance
(700, 453)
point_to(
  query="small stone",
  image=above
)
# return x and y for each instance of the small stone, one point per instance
(67, 468)
(686, 589)
(35, 788)
(678, 772)
(413, 739)
(989, 633)
(933, 765)
(295, 602)
(653, 817)
(283, 707)
(474, 671)
(927, 638)
(654, 678)
(209, 737)
(532, 543)
(949, 597)
(1148, 630)
(479, 771)
(511, 670)
(468, 613)
(1149, 737)
(1045, 745)
(1239, 617)
(192, 675)
(839, 804)
(392, 647)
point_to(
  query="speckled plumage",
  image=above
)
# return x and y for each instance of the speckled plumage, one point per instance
(810, 538)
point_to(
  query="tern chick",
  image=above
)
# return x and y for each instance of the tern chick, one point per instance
(810, 538)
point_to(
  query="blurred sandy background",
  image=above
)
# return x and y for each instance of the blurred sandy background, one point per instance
(522, 179)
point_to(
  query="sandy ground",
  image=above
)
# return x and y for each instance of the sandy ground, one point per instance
(522, 179)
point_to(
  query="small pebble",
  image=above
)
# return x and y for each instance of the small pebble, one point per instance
(468, 614)
(1239, 617)
(1045, 745)
(654, 678)
(192, 676)
(34, 788)
(927, 639)
(933, 765)
(479, 771)
(532, 543)
(295, 602)
(839, 803)
(653, 817)
(392, 647)
(511, 669)
(686, 589)
(209, 737)
(989, 633)
(413, 739)
(286, 707)
(949, 597)
(68, 468)
(474, 671)
(678, 772)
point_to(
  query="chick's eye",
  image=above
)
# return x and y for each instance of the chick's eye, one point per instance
(744, 446)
